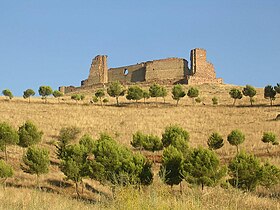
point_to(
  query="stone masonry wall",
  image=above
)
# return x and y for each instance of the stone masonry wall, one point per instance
(128, 74)
(98, 71)
(170, 68)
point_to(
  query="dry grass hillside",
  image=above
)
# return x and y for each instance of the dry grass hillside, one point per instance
(200, 120)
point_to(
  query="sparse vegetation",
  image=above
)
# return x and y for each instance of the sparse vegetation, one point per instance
(235, 94)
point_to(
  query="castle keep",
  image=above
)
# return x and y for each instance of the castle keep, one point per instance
(164, 71)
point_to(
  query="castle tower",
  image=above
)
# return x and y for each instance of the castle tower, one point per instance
(200, 67)
(98, 70)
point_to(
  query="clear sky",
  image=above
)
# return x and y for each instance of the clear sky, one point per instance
(53, 42)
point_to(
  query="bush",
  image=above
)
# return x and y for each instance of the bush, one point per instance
(8, 136)
(269, 137)
(270, 175)
(215, 101)
(215, 141)
(235, 138)
(155, 91)
(245, 171)
(172, 133)
(138, 140)
(99, 94)
(235, 94)
(29, 134)
(202, 167)
(57, 94)
(146, 95)
(6, 171)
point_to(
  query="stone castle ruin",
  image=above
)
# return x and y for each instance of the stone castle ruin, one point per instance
(164, 71)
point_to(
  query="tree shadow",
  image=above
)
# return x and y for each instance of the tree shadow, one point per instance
(93, 190)
(59, 183)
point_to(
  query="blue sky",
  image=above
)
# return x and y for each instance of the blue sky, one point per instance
(52, 42)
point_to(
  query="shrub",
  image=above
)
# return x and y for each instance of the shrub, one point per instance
(146, 95)
(138, 140)
(7, 93)
(8, 136)
(270, 175)
(29, 134)
(245, 171)
(235, 138)
(202, 167)
(6, 171)
(178, 93)
(116, 90)
(269, 93)
(155, 91)
(269, 137)
(172, 133)
(215, 141)
(235, 94)
(44, 92)
(249, 91)
(28, 93)
(215, 101)
(57, 94)
(36, 162)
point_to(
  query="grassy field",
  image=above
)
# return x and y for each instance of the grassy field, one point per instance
(121, 122)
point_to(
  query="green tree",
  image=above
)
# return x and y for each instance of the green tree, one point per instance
(172, 133)
(134, 93)
(65, 137)
(277, 88)
(57, 94)
(76, 97)
(269, 93)
(29, 134)
(36, 161)
(99, 94)
(155, 91)
(44, 92)
(269, 138)
(28, 93)
(8, 94)
(193, 93)
(73, 164)
(270, 175)
(6, 171)
(235, 138)
(235, 94)
(146, 95)
(202, 167)
(172, 166)
(8, 136)
(215, 141)
(249, 91)
(245, 171)
(116, 90)
(178, 93)
(88, 143)
(152, 143)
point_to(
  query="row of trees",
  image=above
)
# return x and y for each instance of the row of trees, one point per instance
(110, 163)
(249, 91)
(136, 93)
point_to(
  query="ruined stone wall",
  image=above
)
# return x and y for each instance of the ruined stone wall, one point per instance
(98, 71)
(202, 71)
(164, 69)
(128, 74)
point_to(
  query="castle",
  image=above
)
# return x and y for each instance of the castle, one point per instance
(164, 71)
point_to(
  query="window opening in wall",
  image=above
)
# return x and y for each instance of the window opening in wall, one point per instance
(125, 72)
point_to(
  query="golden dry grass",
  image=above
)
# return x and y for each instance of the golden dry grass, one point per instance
(121, 122)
